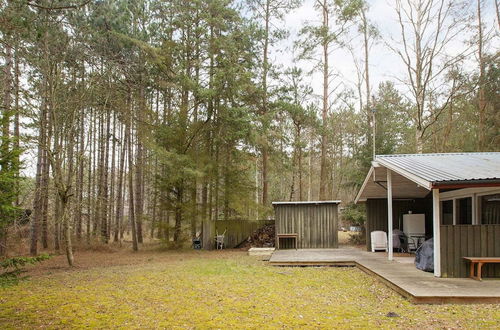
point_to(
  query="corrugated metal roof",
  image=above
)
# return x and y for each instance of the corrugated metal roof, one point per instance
(447, 167)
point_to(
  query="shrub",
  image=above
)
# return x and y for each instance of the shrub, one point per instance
(354, 214)
(13, 267)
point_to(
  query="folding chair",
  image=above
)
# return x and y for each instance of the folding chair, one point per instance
(219, 240)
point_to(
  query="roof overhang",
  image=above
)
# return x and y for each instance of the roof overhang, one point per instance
(407, 184)
(418, 180)
(375, 186)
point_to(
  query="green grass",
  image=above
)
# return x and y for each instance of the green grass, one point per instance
(214, 291)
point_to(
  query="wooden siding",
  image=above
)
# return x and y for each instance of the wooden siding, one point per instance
(238, 230)
(376, 214)
(469, 241)
(316, 225)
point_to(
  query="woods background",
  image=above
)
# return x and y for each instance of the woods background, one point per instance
(140, 119)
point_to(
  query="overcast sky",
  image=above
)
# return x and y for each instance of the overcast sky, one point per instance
(385, 65)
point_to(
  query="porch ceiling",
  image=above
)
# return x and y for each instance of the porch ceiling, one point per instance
(376, 186)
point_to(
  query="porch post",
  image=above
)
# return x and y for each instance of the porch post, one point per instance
(436, 222)
(389, 213)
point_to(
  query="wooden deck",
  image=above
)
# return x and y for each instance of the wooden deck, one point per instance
(402, 276)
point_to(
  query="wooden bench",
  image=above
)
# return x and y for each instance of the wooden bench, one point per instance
(278, 236)
(480, 261)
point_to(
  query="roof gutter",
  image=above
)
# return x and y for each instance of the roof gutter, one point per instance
(456, 184)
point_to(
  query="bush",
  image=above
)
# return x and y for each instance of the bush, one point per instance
(13, 267)
(354, 214)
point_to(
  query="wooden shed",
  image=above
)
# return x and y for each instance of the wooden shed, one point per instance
(306, 225)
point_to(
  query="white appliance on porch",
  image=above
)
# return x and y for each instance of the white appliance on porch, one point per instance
(414, 229)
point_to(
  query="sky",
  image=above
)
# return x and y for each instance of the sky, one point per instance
(384, 63)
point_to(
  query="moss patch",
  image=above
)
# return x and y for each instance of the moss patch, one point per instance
(210, 290)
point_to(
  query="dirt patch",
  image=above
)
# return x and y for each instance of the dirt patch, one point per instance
(114, 255)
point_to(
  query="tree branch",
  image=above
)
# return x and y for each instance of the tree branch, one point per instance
(33, 4)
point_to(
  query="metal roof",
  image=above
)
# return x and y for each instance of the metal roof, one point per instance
(446, 168)
(307, 202)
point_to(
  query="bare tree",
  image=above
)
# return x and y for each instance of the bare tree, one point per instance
(497, 11)
(427, 29)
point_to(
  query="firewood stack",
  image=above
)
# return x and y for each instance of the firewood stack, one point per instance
(262, 237)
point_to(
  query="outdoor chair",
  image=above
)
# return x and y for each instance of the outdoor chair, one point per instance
(379, 240)
(219, 240)
(401, 242)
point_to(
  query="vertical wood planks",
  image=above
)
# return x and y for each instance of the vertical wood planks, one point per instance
(316, 224)
(469, 241)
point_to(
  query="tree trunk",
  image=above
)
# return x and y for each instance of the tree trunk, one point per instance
(105, 182)
(17, 135)
(323, 194)
(119, 191)
(301, 184)
(131, 212)
(369, 138)
(481, 92)
(419, 142)
(139, 203)
(7, 99)
(90, 174)
(67, 233)
(265, 70)
(178, 214)
(80, 176)
(5, 138)
(57, 224)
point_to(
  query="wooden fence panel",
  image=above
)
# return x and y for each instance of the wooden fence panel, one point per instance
(469, 241)
(236, 231)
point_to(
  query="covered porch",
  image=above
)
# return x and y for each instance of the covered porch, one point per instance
(456, 194)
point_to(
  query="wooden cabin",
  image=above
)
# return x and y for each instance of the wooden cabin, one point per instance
(457, 195)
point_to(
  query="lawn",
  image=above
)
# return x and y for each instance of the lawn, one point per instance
(228, 289)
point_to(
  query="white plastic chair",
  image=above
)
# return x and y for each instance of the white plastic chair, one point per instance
(379, 240)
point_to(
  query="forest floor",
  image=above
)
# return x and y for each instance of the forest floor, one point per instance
(216, 289)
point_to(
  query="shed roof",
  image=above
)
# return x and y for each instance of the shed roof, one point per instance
(307, 202)
(416, 174)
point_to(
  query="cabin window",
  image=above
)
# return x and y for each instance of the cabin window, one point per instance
(447, 212)
(464, 211)
(490, 209)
